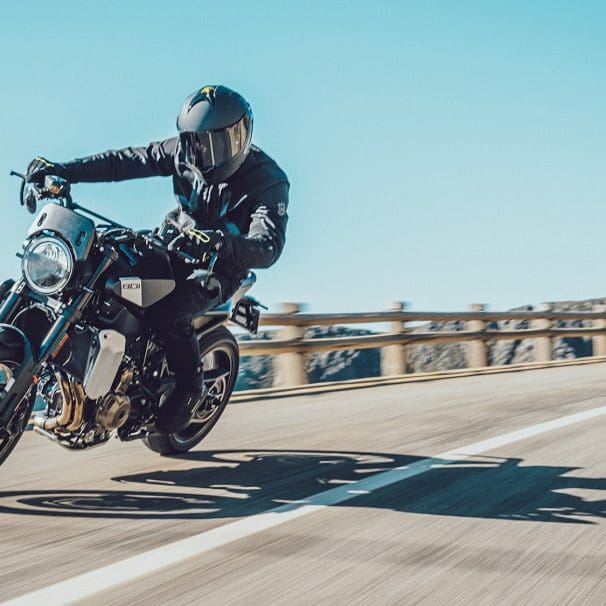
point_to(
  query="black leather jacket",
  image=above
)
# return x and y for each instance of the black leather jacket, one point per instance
(250, 207)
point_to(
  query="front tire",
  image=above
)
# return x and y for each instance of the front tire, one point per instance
(11, 434)
(221, 360)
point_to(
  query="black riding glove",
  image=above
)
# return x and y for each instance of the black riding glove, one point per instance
(198, 244)
(40, 167)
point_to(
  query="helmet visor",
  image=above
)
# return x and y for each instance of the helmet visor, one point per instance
(211, 148)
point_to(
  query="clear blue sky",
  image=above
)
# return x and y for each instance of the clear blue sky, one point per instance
(439, 152)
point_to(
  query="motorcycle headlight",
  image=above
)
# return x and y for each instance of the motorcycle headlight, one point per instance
(47, 265)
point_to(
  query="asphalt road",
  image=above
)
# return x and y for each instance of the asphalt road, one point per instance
(522, 521)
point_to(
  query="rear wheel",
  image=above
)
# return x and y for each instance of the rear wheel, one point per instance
(12, 432)
(221, 359)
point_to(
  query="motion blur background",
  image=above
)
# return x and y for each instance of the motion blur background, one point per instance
(439, 152)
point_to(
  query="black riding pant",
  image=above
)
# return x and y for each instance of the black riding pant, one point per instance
(172, 320)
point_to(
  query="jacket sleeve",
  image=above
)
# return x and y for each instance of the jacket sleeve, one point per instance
(263, 244)
(155, 160)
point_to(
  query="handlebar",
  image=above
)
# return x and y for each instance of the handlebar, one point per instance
(148, 240)
(58, 189)
(154, 242)
(157, 244)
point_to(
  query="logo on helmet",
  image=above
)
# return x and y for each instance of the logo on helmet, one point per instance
(204, 94)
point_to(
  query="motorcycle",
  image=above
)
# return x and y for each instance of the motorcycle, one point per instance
(73, 334)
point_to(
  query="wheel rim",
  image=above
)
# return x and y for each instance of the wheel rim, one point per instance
(217, 359)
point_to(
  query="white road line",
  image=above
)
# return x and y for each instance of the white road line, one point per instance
(102, 579)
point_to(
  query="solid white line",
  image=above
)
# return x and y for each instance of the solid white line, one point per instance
(102, 579)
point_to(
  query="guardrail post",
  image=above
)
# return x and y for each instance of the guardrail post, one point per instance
(289, 368)
(543, 346)
(477, 352)
(599, 341)
(393, 357)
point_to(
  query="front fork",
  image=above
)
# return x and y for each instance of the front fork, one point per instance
(12, 303)
(31, 365)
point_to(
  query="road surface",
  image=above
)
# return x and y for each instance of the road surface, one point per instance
(490, 502)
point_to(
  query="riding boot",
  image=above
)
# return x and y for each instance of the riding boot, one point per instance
(179, 405)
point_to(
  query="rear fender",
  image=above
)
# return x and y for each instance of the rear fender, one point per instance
(15, 346)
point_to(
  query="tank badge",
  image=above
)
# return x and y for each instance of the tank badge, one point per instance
(131, 290)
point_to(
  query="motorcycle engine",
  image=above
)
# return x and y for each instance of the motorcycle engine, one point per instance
(114, 408)
(76, 421)
(113, 411)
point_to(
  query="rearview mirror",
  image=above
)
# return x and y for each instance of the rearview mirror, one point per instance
(29, 196)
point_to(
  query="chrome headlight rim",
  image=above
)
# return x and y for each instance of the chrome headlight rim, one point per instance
(69, 256)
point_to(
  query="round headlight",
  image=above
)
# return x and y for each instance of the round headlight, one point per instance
(48, 265)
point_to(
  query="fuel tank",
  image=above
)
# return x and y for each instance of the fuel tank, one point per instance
(141, 281)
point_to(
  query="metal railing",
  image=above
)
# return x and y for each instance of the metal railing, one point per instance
(290, 345)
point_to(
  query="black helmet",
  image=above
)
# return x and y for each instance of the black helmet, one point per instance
(215, 129)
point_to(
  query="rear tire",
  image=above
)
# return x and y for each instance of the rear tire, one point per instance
(220, 353)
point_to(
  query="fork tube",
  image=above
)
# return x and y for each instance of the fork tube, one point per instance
(13, 301)
(73, 312)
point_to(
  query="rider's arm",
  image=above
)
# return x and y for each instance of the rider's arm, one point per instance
(263, 243)
(155, 160)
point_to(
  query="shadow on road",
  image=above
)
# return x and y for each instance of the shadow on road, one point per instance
(228, 484)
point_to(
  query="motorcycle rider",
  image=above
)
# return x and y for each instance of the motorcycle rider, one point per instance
(232, 198)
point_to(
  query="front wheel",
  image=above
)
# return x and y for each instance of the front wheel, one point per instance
(11, 434)
(220, 361)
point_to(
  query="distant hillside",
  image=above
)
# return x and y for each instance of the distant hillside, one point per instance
(256, 371)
